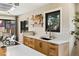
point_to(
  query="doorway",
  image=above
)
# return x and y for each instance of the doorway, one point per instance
(8, 28)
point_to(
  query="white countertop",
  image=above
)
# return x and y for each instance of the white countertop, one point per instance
(1, 44)
(55, 41)
(22, 50)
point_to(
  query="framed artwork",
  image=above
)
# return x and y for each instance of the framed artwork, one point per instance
(23, 26)
(52, 21)
(37, 20)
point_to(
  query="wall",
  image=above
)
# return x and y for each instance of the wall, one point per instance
(77, 7)
(72, 27)
(7, 17)
(67, 16)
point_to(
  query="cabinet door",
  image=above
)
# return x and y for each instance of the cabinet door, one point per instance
(2, 52)
(44, 48)
(31, 42)
(38, 45)
(53, 50)
(26, 40)
(41, 46)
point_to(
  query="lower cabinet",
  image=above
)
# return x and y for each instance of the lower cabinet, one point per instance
(38, 45)
(26, 40)
(41, 46)
(47, 48)
(2, 52)
(53, 50)
(44, 48)
(29, 42)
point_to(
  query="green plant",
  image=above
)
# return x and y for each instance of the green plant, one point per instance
(76, 31)
(76, 19)
(76, 22)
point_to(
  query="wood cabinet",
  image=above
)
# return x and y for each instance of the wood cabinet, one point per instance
(53, 50)
(26, 40)
(41, 46)
(38, 45)
(2, 52)
(29, 42)
(47, 48)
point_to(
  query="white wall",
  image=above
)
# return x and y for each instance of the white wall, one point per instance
(77, 7)
(72, 26)
(7, 17)
(67, 16)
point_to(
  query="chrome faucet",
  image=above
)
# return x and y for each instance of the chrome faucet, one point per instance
(50, 36)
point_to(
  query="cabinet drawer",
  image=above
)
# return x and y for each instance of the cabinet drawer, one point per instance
(53, 50)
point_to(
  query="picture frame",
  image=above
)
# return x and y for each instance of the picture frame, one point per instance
(52, 21)
(23, 26)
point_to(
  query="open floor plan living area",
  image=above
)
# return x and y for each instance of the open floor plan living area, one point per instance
(39, 29)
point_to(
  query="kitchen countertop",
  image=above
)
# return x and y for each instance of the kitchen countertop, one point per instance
(1, 44)
(22, 50)
(54, 41)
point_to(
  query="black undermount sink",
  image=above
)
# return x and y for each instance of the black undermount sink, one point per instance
(45, 38)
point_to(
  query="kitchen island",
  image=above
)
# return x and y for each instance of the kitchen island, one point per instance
(22, 50)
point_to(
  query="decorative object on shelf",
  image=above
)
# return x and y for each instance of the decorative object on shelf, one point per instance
(37, 20)
(52, 21)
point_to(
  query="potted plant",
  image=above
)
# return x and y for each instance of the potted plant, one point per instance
(76, 31)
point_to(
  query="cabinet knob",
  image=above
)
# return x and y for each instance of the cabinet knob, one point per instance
(40, 44)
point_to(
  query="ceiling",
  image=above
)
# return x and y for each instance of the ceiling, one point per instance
(23, 8)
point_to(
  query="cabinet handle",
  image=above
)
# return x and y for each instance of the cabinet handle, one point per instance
(52, 48)
(40, 44)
